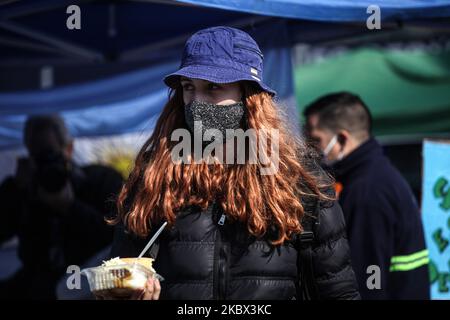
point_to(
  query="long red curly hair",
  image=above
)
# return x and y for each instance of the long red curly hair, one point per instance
(158, 188)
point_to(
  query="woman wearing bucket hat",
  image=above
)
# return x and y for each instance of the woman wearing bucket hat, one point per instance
(234, 232)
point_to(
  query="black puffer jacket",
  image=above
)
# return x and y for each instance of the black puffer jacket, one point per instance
(202, 259)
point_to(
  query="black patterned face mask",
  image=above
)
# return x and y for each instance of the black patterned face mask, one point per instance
(213, 116)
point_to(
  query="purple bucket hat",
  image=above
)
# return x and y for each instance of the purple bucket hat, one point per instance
(221, 55)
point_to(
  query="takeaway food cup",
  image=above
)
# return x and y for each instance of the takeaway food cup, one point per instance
(120, 277)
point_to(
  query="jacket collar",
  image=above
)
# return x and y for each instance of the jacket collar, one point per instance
(365, 153)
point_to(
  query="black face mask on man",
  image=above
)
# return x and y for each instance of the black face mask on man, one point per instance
(214, 116)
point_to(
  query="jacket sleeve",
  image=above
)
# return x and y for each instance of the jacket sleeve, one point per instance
(333, 272)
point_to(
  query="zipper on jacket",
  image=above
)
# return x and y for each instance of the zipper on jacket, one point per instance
(217, 244)
(222, 220)
(220, 260)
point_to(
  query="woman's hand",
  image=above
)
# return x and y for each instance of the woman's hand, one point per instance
(151, 291)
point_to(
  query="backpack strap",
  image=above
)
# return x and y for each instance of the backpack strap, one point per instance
(307, 284)
(154, 249)
(153, 253)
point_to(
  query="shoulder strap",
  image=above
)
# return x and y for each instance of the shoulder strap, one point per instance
(154, 249)
(153, 253)
(307, 286)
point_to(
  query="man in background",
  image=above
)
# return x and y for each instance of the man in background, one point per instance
(55, 208)
(383, 220)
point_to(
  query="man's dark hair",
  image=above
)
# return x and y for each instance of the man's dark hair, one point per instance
(342, 111)
(42, 123)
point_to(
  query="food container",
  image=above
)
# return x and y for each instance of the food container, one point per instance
(121, 279)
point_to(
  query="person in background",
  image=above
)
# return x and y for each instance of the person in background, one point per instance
(55, 208)
(383, 220)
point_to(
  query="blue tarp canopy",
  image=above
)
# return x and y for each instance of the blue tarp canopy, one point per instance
(111, 28)
(333, 10)
(144, 39)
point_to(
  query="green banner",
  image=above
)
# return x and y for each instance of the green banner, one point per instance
(407, 92)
